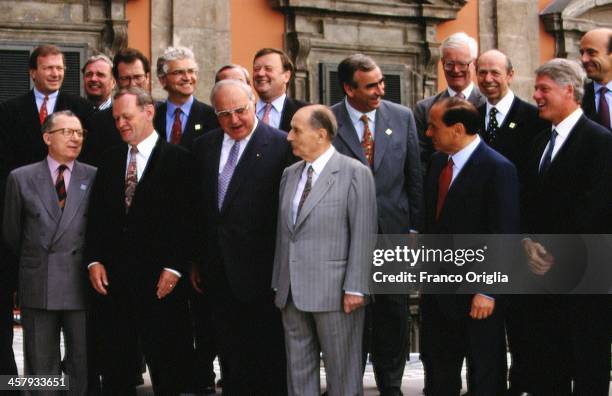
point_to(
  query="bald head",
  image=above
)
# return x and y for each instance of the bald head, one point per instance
(494, 73)
(595, 54)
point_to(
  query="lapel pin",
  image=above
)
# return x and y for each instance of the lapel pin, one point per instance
(389, 132)
(198, 127)
(512, 125)
(83, 187)
(258, 155)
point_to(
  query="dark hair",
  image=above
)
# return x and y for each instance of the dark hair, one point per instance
(44, 50)
(350, 65)
(287, 64)
(50, 120)
(142, 97)
(460, 111)
(322, 117)
(129, 56)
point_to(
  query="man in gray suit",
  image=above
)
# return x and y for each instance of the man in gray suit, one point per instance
(382, 135)
(324, 241)
(458, 54)
(44, 224)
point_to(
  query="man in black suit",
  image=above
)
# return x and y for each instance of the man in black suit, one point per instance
(98, 81)
(382, 135)
(239, 168)
(568, 189)
(181, 118)
(20, 126)
(272, 72)
(458, 53)
(130, 69)
(596, 57)
(508, 125)
(469, 189)
(139, 244)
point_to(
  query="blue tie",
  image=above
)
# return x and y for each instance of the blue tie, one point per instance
(548, 155)
(226, 174)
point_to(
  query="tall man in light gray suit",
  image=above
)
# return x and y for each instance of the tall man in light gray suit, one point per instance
(325, 236)
(458, 54)
(382, 135)
(44, 223)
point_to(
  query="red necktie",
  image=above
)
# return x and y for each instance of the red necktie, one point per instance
(175, 134)
(443, 184)
(42, 113)
(266, 115)
(368, 141)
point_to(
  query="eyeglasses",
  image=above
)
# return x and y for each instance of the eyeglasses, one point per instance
(183, 72)
(68, 133)
(138, 78)
(228, 113)
(450, 65)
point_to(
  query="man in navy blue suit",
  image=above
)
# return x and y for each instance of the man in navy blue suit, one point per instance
(469, 189)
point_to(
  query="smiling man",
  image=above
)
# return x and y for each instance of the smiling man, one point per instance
(98, 81)
(272, 72)
(181, 118)
(596, 57)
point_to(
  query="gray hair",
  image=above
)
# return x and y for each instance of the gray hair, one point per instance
(322, 118)
(459, 40)
(173, 54)
(237, 83)
(244, 71)
(95, 58)
(565, 72)
(142, 97)
(49, 122)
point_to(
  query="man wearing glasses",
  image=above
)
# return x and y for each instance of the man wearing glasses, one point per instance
(181, 118)
(44, 222)
(238, 171)
(458, 53)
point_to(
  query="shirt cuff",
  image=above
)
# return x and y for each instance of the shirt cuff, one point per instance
(92, 264)
(352, 293)
(175, 272)
(489, 297)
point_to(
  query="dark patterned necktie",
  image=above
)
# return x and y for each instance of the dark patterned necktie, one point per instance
(131, 178)
(368, 140)
(175, 134)
(493, 126)
(42, 113)
(60, 186)
(548, 155)
(604, 109)
(306, 191)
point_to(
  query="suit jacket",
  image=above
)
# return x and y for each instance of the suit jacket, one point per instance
(421, 116)
(239, 239)
(48, 241)
(157, 232)
(201, 119)
(515, 135)
(20, 122)
(289, 109)
(588, 102)
(397, 171)
(328, 249)
(103, 134)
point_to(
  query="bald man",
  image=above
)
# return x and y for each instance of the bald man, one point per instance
(597, 62)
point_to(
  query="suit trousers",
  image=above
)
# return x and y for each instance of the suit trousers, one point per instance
(450, 335)
(41, 336)
(205, 339)
(7, 357)
(339, 336)
(387, 338)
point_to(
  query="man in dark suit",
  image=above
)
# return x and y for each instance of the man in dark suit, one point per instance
(568, 189)
(44, 222)
(596, 57)
(469, 189)
(457, 55)
(272, 72)
(382, 135)
(508, 125)
(181, 118)
(98, 81)
(239, 168)
(139, 243)
(20, 125)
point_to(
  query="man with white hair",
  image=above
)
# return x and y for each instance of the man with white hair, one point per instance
(458, 53)
(181, 118)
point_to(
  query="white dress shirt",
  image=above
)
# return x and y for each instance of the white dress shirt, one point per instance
(355, 116)
(51, 100)
(227, 144)
(503, 108)
(276, 111)
(461, 157)
(563, 130)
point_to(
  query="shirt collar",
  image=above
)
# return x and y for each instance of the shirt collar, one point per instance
(355, 114)
(185, 107)
(227, 138)
(146, 146)
(462, 156)
(106, 104)
(277, 103)
(53, 164)
(597, 86)
(503, 106)
(319, 164)
(466, 92)
(566, 126)
(41, 96)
